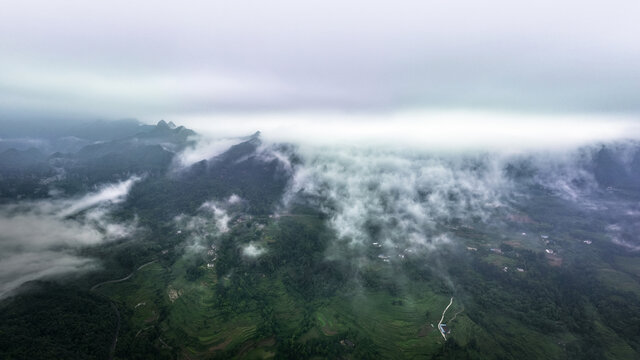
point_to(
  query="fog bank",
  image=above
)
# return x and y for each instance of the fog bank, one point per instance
(449, 131)
(39, 238)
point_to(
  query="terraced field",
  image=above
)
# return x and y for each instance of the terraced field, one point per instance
(393, 316)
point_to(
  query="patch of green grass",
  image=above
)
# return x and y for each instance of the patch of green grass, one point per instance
(618, 280)
(394, 329)
(617, 348)
(629, 264)
(499, 260)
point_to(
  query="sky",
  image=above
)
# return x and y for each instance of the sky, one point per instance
(197, 59)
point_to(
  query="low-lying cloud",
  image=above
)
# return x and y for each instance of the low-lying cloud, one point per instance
(398, 201)
(204, 148)
(108, 194)
(39, 238)
(252, 250)
(399, 182)
(425, 130)
(211, 221)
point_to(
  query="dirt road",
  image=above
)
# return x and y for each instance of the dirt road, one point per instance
(442, 318)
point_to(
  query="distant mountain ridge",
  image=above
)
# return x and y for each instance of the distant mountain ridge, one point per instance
(142, 149)
(150, 153)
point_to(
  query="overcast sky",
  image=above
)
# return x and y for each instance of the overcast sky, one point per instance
(173, 59)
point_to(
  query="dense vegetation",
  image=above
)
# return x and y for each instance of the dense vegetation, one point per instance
(55, 322)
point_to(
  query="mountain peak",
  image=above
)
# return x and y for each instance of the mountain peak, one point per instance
(254, 136)
(163, 125)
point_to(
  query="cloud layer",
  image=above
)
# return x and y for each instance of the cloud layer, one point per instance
(149, 60)
(211, 220)
(387, 204)
(447, 131)
(398, 202)
(39, 239)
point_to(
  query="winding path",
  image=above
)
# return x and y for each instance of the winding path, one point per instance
(124, 278)
(442, 318)
(112, 350)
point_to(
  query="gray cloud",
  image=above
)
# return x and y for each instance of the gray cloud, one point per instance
(204, 148)
(396, 184)
(252, 250)
(211, 221)
(39, 239)
(398, 203)
(441, 131)
(22, 267)
(150, 60)
(110, 194)
(387, 204)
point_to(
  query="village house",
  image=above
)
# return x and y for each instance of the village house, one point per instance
(444, 329)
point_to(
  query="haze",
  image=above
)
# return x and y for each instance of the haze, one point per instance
(149, 60)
